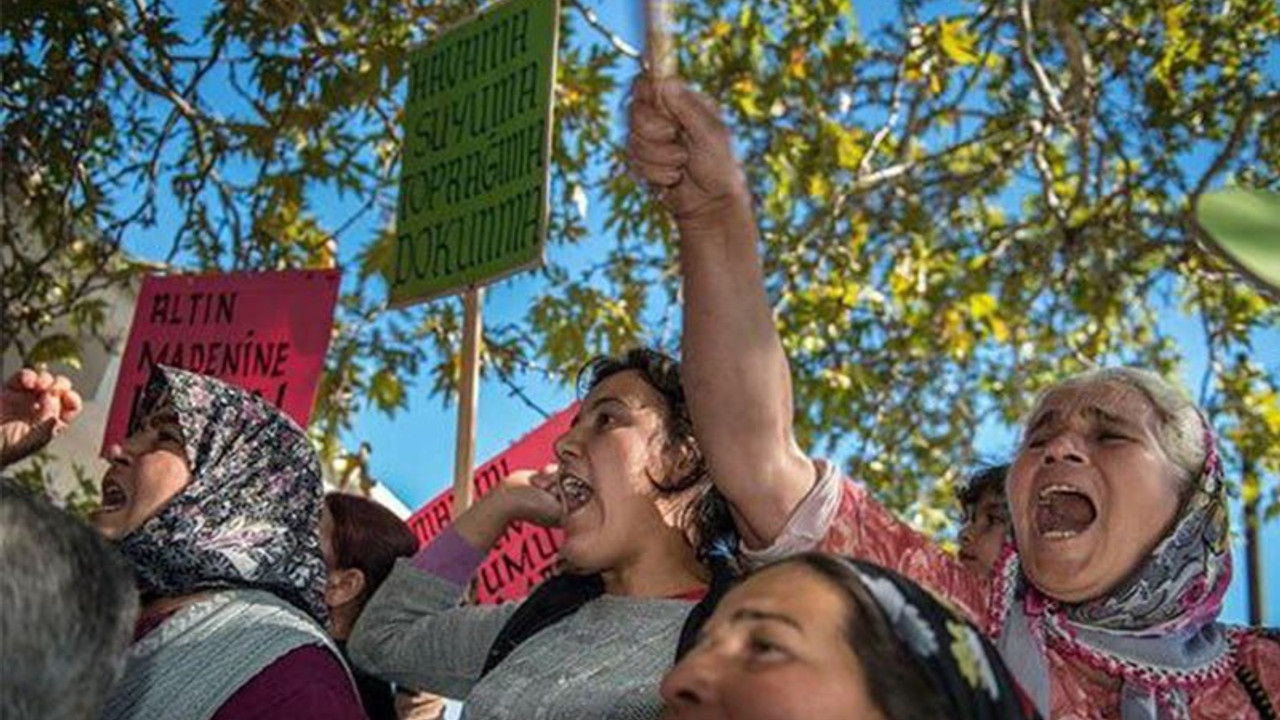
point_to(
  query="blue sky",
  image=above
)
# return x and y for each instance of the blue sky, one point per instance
(414, 451)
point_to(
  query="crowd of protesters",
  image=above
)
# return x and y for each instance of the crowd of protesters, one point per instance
(710, 567)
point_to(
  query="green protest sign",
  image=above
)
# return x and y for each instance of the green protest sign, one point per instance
(477, 144)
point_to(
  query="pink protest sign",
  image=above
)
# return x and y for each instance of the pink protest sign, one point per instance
(525, 555)
(264, 331)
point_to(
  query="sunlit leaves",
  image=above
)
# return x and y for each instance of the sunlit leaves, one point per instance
(939, 244)
(957, 42)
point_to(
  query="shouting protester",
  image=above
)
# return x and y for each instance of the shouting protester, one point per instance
(215, 498)
(631, 493)
(1107, 605)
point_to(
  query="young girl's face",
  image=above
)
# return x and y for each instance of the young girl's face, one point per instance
(776, 647)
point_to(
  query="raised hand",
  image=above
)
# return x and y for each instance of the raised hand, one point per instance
(35, 405)
(679, 144)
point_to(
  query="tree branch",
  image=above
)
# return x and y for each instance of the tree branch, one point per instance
(1026, 39)
(593, 20)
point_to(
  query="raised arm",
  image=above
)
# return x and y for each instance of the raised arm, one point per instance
(735, 373)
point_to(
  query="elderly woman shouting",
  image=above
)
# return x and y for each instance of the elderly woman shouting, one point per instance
(1106, 606)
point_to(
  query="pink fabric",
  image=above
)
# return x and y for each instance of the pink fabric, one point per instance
(864, 529)
(307, 683)
(450, 557)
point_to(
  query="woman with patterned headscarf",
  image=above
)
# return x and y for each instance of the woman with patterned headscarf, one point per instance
(1105, 603)
(821, 636)
(215, 498)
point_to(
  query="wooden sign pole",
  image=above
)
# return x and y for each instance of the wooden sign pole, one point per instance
(468, 389)
(659, 53)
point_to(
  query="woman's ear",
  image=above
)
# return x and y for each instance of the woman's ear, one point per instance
(685, 460)
(343, 586)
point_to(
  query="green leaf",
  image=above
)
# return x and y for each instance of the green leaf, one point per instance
(957, 42)
(982, 306)
(59, 348)
(386, 390)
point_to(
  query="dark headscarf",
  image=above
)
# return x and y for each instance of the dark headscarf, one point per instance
(954, 657)
(250, 517)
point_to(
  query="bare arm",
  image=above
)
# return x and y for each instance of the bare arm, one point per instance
(735, 373)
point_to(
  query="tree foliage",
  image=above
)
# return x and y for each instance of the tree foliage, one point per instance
(959, 204)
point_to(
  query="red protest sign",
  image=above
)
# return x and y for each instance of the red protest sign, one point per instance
(525, 555)
(264, 331)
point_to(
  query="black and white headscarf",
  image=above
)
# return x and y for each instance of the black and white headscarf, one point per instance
(250, 517)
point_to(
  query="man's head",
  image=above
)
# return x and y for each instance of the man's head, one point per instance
(69, 606)
(985, 518)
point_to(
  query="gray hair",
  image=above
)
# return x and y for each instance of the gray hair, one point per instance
(69, 606)
(1181, 430)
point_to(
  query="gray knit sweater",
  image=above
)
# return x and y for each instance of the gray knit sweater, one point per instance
(604, 661)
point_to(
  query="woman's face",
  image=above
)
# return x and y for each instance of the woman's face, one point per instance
(146, 471)
(1091, 491)
(609, 460)
(982, 536)
(776, 647)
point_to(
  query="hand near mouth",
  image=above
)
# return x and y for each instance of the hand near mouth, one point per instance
(524, 495)
(535, 496)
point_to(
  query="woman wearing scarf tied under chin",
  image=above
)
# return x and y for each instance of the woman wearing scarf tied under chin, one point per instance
(1110, 598)
(215, 499)
(1105, 606)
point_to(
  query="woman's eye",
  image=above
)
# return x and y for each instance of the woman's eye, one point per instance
(1109, 436)
(763, 649)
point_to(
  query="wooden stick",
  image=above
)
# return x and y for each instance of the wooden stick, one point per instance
(468, 389)
(660, 56)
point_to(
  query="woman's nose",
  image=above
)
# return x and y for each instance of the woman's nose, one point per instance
(1064, 447)
(567, 446)
(693, 683)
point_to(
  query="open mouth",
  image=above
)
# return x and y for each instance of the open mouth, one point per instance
(113, 496)
(574, 492)
(1063, 512)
